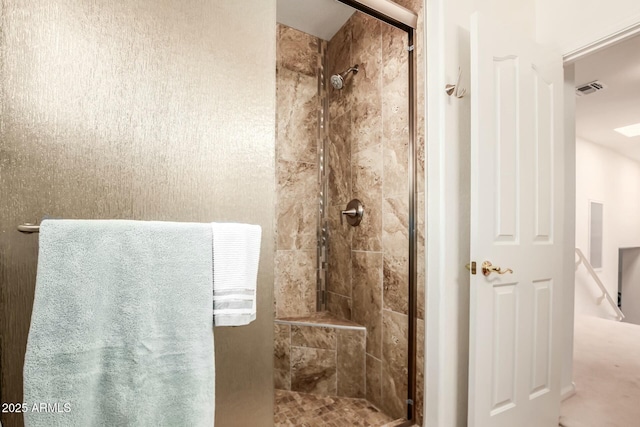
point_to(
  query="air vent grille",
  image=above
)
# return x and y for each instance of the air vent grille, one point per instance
(590, 88)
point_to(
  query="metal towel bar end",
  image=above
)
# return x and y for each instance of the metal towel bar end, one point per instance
(28, 228)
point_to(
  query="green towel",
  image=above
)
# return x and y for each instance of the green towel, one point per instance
(121, 331)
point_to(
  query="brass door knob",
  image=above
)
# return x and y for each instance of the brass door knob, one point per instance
(488, 268)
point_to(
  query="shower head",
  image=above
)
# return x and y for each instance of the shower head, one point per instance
(337, 80)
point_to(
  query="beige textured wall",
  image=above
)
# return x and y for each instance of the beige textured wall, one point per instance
(143, 109)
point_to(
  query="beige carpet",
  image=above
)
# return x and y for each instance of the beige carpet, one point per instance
(606, 373)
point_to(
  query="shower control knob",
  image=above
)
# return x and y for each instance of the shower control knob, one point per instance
(354, 212)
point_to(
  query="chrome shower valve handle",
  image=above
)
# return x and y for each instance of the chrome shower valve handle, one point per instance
(354, 212)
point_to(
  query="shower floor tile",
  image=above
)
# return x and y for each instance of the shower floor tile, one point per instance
(309, 410)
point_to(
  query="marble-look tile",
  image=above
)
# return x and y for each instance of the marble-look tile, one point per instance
(367, 187)
(295, 282)
(310, 410)
(296, 51)
(395, 117)
(368, 235)
(295, 179)
(366, 107)
(421, 113)
(351, 363)
(394, 340)
(374, 380)
(366, 48)
(367, 170)
(396, 167)
(395, 240)
(367, 297)
(339, 305)
(296, 222)
(282, 379)
(395, 110)
(313, 370)
(338, 61)
(339, 48)
(297, 106)
(366, 118)
(420, 156)
(339, 161)
(313, 337)
(339, 99)
(281, 361)
(393, 394)
(394, 362)
(395, 56)
(421, 261)
(339, 253)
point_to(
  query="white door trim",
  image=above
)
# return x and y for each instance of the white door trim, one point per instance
(602, 43)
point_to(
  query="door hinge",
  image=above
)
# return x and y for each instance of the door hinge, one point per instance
(471, 267)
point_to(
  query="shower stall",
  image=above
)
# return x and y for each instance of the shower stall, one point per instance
(349, 298)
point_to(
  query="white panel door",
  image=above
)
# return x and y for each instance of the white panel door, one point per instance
(516, 151)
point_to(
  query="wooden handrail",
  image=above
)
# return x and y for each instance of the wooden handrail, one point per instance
(595, 277)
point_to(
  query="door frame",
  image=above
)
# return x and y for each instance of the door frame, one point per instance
(446, 379)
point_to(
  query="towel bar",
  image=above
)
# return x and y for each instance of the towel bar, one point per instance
(29, 228)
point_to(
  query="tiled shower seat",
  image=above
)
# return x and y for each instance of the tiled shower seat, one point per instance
(320, 354)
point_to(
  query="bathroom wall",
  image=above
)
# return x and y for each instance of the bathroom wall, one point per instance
(605, 176)
(153, 110)
(297, 185)
(368, 159)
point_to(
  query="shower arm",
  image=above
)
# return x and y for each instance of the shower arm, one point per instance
(354, 69)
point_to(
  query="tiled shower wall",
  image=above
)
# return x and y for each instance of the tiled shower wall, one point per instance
(368, 159)
(326, 358)
(296, 172)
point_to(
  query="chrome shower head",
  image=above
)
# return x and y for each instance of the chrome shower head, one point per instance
(337, 80)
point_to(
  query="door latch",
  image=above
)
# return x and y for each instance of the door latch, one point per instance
(471, 267)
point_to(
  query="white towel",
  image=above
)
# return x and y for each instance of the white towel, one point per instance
(236, 252)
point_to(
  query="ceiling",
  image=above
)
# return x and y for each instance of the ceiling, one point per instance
(618, 104)
(321, 18)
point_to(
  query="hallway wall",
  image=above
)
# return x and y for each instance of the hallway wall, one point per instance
(606, 176)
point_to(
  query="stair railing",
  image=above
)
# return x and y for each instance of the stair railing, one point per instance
(605, 294)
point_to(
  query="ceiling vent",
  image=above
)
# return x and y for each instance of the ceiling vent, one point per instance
(590, 88)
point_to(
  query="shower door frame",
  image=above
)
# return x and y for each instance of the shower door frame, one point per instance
(403, 19)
